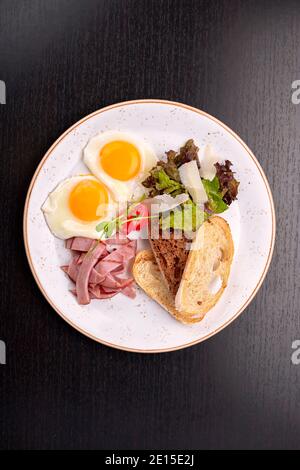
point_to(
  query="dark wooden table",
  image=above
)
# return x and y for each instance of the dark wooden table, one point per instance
(236, 59)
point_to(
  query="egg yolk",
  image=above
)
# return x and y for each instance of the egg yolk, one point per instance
(88, 200)
(120, 160)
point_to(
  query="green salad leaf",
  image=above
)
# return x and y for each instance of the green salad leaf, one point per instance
(108, 227)
(165, 183)
(215, 202)
(161, 183)
(164, 178)
(187, 217)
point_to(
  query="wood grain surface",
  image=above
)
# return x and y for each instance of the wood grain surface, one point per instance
(63, 59)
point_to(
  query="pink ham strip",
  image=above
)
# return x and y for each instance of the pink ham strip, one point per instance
(111, 282)
(84, 273)
(68, 243)
(107, 290)
(95, 277)
(99, 293)
(119, 239)
(128, 288)
(133, 245)
(96, 273)
(115, 255)
(125, 282)
(73, 269)
(129, 291)
(104, 254)
(81, 257)
(80, 243)
(128, 251)
(104, 267)
(120, 270)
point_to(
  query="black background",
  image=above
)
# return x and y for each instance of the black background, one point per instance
(62, 59)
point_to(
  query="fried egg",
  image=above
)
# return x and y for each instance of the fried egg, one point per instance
(77, 205)
(121, 161)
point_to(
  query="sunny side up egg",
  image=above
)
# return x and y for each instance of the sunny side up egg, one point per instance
(121, 161)
(77, 205)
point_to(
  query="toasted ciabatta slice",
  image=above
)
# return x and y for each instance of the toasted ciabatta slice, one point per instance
(149, 277)
(207, 268)
(208, 264)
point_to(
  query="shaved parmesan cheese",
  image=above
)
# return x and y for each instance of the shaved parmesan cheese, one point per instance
(190, 178)
(207, 163)
(165, 202)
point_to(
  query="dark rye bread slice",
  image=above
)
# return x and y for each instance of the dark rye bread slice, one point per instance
(171, 255)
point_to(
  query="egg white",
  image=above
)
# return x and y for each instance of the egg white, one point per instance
(121, 190)
(59, 217)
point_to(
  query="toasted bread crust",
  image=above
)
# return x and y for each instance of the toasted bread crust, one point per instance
(211, 255)
(148, 276)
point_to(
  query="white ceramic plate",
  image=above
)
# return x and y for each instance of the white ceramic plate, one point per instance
(141, 325)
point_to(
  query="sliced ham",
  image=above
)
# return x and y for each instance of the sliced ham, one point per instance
(118, 239)
(111, 282)
(104, 267)
(104, 254)
(116, 255)
(99, 293)
(120, 270)
(133, 244)
(128, 288)
(85, 270)
(108, 290)
(68, 243)
(95, 277)
(123, 282)
(97, 267)
(73, 269)
(128, 252)
(129, 291)
(80, 243)
(81, 256)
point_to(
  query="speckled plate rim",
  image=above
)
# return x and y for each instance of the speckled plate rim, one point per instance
(235, 136)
